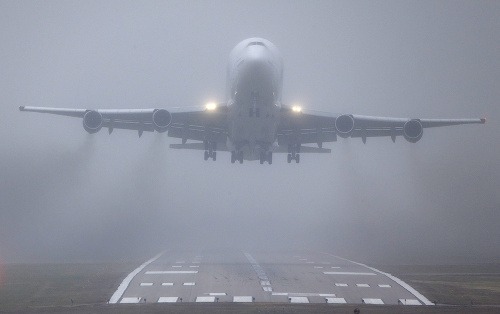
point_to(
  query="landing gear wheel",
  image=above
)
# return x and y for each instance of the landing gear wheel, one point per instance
(214, 156)
(289, 158)
(233, 157)
(270, 157)
(240, 156)
(297, 158)
(206, 155)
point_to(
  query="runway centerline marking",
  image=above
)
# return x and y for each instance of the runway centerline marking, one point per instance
(265, 283)
(363, 285)
(341, 285)
(189, 284)
(145, 284)
(123, 286)
(384, 286)
(167, 284)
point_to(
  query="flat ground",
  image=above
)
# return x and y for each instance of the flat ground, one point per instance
(50, 288)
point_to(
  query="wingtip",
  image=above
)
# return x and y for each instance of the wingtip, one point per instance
(21, 108)
(483, 120)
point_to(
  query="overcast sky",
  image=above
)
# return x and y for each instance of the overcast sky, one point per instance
(69, 196)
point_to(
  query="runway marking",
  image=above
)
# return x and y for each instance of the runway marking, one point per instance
(348, 273)
(242, 299)
(176, 266)
(303, 294)
(303, 259)
(409, 302)
(265, 283)
(189, 284)
(144, 284)
(298, 299)
(267, 288)
(167, 284)
(372, 301)
(384, 286)
(166, 272)
(363, 285)
(180, 262)
(309, 262)
(341, 284)
(194, 266)
(123, 286)
(130, 300)
(205, 299)
(217, 293)
(336, 267)
(335, 300)
(403, 284)
(318, 267)
(167, 299)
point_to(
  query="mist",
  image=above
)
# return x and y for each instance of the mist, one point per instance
(67, 196)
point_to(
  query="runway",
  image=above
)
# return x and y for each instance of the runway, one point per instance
(248, 276)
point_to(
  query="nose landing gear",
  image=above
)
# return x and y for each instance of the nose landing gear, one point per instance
(237, 156)
(210, 150)
(266, 156)
(293, 153)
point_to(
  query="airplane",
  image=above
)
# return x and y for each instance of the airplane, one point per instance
(253, 123)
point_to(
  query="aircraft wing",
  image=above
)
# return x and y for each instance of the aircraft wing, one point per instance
(192, 123)
(307, 126)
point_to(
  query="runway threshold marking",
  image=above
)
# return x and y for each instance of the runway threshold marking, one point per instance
(303, 294)
(298, 299)
(336, 300)
(168, 299)
(131, 300)
(372, 301)
(123, 286)
(403, 284)
(242, 298)
(409, 302)
(205, 299)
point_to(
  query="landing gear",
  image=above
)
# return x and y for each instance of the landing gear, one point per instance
(293, 153)
(210, 150)
(266, 156)
(237, 156)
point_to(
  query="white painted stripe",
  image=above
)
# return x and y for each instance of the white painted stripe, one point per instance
(177, 266)
(167, 299)
(409, 302)
(363, 285)
(167, 284)
(309, 262)
(131, 300)
(205, 299)
(394, 278)
(372, 301)
(336, 267)
(123, 286)
(280, 293)
(303, 294)
(217, 293)
(341, 284)
(317, 267)
(194, 266)
(180, 262)
(143, 284)
(348, 273)
(326, 294)
(242, 299)
(265, 283)
(384, 286)
(189, 284)
(335, 300)
(166, 272)
(298, 300)
(267, 288)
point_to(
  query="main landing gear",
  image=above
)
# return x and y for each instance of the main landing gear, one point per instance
(293, 153)
(210, 150)
(266, 156)
(237, 156)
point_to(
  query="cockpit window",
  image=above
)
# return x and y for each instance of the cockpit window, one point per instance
(256, 43)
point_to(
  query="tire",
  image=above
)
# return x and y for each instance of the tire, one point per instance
(214, 156)
(297, 158)
(270, 158)
(233, 157)
(206, 155)
(289, 158)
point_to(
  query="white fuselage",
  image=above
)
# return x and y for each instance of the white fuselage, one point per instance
(254, 84)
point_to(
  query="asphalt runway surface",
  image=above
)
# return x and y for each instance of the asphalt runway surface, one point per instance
(244, 276)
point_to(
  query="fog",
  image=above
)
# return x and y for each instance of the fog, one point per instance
(67, 196)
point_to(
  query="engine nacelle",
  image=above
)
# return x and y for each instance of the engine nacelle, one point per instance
(344, 125)
(413, 130)
(92, 121)
(161, 120)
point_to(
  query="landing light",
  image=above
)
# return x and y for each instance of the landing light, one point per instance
(296, 109)
(211, 106)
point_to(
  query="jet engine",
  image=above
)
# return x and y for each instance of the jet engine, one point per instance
(92, 121)
(344, 125)
(413, 130)
(161, 120)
